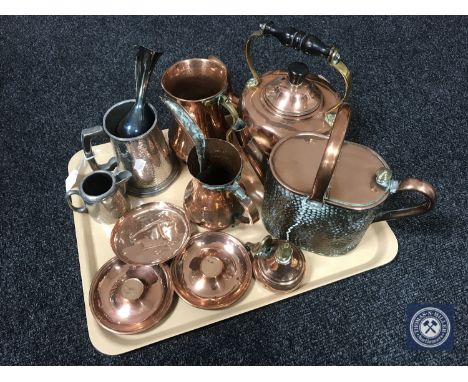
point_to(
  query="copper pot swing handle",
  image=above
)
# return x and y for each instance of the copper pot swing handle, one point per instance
(306, 43)
(415, 185)
(331, 154)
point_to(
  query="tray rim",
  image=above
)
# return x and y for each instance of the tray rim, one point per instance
(235, 310)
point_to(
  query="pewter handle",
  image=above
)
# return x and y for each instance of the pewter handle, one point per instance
(331, 154)
(86, 137)
(247, 203)
(68, 197)
(416, 185)
(306, 43)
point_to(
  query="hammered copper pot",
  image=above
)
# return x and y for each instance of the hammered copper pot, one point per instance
(201, 86)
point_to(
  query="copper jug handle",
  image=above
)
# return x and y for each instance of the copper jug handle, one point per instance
(251, 214)
(331, 154)
(415, 185)
(306, 43)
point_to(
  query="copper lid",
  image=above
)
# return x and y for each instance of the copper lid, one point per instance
(213, 272)
(295, 161)
(293, 95)
(127, 299)
(150, 234)
(278, 264)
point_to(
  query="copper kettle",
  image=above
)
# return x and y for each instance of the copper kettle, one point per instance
(282, 103)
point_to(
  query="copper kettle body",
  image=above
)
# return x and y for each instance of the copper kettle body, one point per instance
(282, 103)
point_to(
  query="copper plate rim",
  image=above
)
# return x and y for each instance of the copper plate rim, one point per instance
(212, 303)
(357, 207)
(153, 319)
(267, 283)
(121, 221)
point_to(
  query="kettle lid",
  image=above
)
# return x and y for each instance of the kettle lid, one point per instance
(293, 93)
(297, 163)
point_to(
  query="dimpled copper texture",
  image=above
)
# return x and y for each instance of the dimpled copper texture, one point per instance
(128, 299)
(150, 234)
(213, 272)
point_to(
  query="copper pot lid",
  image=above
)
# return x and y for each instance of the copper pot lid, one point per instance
(128, 299)
(295, 161)
(292, 93)
(150, 234)
(213, 272)
(278, 264)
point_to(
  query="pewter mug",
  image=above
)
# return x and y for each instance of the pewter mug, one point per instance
(103, 195)
(214, 199)
(148, 157)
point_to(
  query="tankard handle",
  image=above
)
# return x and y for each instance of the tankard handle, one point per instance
(68, 197)
(306, 43)
(415, 185)
(87, 136)
(251, 214)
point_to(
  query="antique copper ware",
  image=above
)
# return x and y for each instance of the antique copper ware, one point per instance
(148, 157)
(281, 103)
(214, 198)
(103, 195)
(201, 86)
(128, 299)
(150, 234)
(278, 264)
(213, 272)
(322, 193)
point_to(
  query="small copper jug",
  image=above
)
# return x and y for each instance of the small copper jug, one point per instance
(201, 87)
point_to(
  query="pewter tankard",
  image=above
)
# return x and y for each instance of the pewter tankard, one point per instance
(147, 156)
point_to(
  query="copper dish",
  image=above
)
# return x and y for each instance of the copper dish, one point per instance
(213, 272)
(150, 234)
(128, 299)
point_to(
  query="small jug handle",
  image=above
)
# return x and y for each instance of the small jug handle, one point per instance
(416, 185)
(86, 142)
(68, 197)
(306, 43)
(250, 211)
(122, 177)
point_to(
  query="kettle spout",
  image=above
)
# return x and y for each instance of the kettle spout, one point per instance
(189, 125)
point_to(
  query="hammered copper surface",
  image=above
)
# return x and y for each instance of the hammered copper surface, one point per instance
(213, 272)
(196, 84)
(128, 299)
(280, 276)
(218, 201)
(150, 234)
(148, 157)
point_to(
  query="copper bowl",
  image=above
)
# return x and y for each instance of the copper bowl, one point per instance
(213, 271)
(150, 234)
(128, 299)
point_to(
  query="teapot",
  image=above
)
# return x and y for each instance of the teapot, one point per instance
(280, 103)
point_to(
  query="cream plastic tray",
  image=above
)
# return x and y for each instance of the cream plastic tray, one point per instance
(378, 247)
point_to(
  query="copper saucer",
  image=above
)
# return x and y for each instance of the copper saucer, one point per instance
(128, 299)
(213, 271)
(150, 234)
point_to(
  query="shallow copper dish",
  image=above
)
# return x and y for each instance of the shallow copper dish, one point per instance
(150, 234)
(213, 271)
(128, 299)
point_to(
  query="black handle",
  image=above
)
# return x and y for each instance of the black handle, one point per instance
(291, 37)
